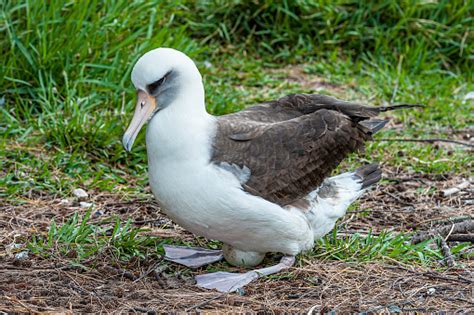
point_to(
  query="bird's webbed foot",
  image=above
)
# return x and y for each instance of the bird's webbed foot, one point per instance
(230, 282)
(192, 257)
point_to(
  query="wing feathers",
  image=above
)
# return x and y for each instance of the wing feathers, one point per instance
(292, 144)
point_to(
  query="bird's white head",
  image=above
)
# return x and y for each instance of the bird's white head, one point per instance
(161, 76)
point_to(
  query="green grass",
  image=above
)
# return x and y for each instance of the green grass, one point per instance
(66, 96)
(428, 34)
(78, 240)
(387, 246)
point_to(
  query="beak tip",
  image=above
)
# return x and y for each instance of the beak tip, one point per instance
(127, 144)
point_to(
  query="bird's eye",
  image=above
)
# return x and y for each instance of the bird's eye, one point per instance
(155, 85)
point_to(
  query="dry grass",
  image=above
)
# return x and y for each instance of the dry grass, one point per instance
(325, 286)
(152, 285)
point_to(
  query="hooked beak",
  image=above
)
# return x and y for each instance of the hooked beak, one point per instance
(146, 106)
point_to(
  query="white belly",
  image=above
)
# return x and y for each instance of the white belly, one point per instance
(209, 202)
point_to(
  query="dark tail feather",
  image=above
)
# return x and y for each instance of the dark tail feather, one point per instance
(398, 106)
(374, 125)
(368, 174)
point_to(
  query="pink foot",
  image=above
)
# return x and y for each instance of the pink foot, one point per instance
(192, 257)
(230, 282)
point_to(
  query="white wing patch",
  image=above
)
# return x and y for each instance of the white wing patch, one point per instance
(242, 173)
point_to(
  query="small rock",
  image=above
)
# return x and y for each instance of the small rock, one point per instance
(98, 213)
(450, 191)
(431, 291)
(454, 190)
(161, 268)
(65, 202)
(394, 309)
(80, 194)
(21, 255)
(207, 64)
(84, 204)
(241, 291)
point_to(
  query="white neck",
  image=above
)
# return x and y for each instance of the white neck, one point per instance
(183, 130)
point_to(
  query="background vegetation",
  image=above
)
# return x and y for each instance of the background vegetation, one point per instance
(66, 95)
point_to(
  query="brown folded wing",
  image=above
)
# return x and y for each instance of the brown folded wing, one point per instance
(292, 144)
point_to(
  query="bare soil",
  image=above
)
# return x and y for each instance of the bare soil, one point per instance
(405, 202)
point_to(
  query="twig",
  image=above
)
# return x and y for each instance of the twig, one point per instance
(352, 232)
(433, 275)
(432, 140)
(465, 279)
(448, 256)
(463, 227)
(459, 299)
(461, 238)
(143, 310)
(14, 299)
(153, 268)
(452, 220)
(403, 210)
(400, 201)
(205, 302)
(450, 232)
(75, 285)
(121, 272)
(146, 221)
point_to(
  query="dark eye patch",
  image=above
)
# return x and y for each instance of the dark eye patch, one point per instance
(153, 87)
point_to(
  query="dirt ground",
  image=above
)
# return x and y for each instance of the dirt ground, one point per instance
(406, 202)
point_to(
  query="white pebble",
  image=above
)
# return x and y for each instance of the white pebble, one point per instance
(21, 255)
(65, 202)
(84, 204)
(454, 190)
(80, 194)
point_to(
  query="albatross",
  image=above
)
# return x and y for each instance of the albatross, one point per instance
(257, 180)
